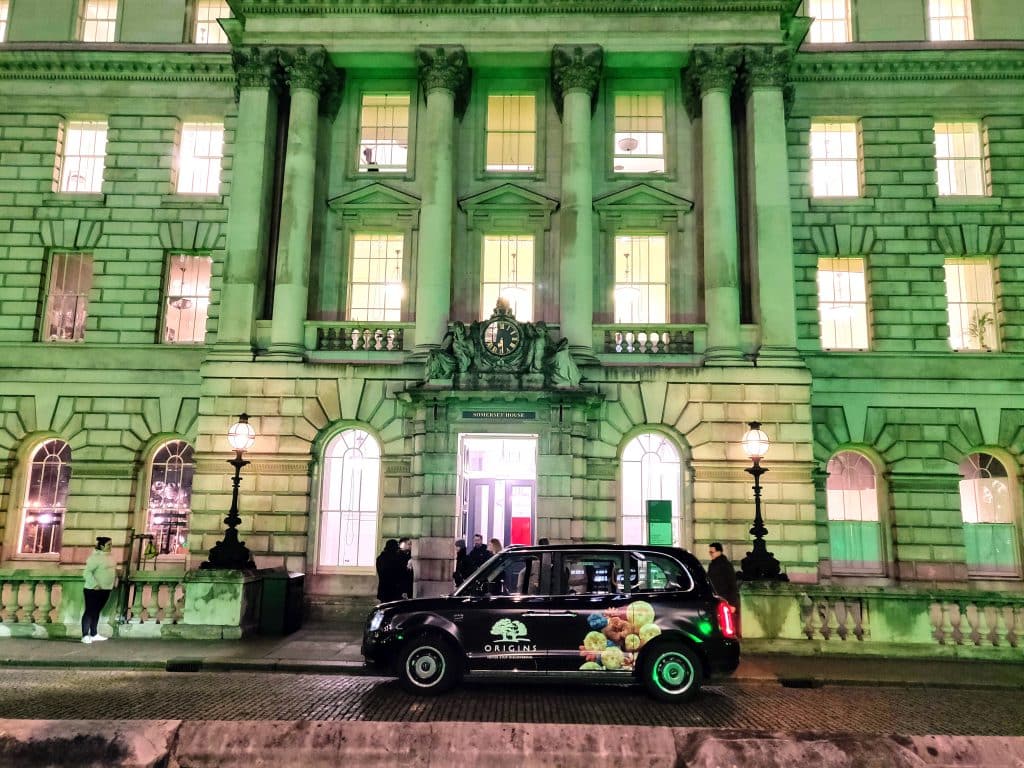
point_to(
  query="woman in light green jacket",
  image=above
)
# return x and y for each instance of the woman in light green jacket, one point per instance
(100, 574)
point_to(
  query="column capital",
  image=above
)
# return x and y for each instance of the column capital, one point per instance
(308, 69)
(576, 67)
(256, 68)
(444, 67)
(714, 68)
(766, 66)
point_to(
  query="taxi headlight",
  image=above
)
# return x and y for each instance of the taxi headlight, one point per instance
(376, 620)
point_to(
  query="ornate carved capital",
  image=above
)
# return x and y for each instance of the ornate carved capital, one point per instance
(442, 67)
(309, 70)
(767, 66)
(715, 68)
(256, 67)
(576, 67)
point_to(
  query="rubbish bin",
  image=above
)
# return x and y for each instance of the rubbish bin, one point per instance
(281, 603)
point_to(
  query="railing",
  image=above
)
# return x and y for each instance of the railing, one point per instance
(155, 598)
(355, 337)
(642, 340)
(29, 598)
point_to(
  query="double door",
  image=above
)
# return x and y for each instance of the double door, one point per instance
(502, 509)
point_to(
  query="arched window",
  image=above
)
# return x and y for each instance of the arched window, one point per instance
(170, 497)
(990, 525)
(650, 474)
(854, 530)
(46, 499)
(349, 501)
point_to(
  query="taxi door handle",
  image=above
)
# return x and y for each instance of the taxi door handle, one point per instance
(534, 614)
(551, 613)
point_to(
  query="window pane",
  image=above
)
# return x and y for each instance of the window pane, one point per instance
(639, 135)
(207, 31)
(971, 306)
(641, 285)
(46, 499)
(349, 500)
(383, 132)
(170, 497)
(835, 159)
(950, 20)
(831, 21)
(959, 163)
(511, 132)
(187, 302)
(376, 289)
(650, 472)
(81, 165)
(507, 272)
(842, 303)
(68, 297)
(199, 158)
(5, 7)
(97, 21)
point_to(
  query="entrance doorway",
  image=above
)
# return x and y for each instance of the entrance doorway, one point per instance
(498, 488)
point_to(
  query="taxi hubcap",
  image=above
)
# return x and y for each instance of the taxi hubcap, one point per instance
(673, 673)
(426, 666)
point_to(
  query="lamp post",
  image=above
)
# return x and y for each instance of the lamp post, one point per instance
(759, 563)
(230, 553)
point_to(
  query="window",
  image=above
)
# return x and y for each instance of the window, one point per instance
(384, 132)
(376, 289)
(950, 20)
(650, 472)
(987, 508)
(170, 497)
(959, 159)
(835, 159)
(199, 155)
(831, 21)
(349, 501)
(67, 300)
(842, 303)
(188, 299)
(591, 574)
(5, 8)
(46, 499)
(641, 282)
(511, 133)
(508, 273)
(853, 524)
(651, 572)
(84, 147)
(97, 21)
(971, 304)
(514, 575)
(206, 30)
(639, 133)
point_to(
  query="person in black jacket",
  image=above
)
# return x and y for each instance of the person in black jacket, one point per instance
(405, 547)
(392, 566)
(723, 578)
(462, 567)
(479, 554)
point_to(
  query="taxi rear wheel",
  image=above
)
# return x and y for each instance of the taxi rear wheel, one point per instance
(672, 672)
(428, 665)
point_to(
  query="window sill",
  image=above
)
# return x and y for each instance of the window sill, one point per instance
(968, 201)
(855, 203)
(49, 557)
(80, 199)
(180, 200)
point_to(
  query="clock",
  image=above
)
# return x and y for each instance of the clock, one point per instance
(502, 337)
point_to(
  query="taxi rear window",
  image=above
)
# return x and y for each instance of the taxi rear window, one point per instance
(652, 572)
(591, 575)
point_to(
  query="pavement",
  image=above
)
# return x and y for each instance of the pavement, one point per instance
(333, 648)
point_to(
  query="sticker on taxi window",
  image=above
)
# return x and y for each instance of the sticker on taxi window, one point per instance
(617, 635)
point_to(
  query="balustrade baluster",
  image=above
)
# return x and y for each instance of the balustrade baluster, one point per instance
(136, 603)
(972, 615)
(27, 602)
(44, 604)
(11, 602)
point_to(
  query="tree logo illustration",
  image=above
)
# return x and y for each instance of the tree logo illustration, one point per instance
(510, 631)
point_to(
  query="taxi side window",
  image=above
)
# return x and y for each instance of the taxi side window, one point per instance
(589, 575)
(657, 573)
(517, 575)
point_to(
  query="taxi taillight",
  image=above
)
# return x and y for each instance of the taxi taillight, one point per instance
(726, 622)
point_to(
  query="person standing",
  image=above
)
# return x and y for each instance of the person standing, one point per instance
(478, 555)
(391, 569)
(723, 579)
(405, 547)
(100, 574)
(493, 547)
(462, 566)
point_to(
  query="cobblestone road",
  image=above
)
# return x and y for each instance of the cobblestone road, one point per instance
(80, 694)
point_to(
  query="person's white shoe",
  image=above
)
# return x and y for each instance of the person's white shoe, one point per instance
(87, 640)
(97, 638)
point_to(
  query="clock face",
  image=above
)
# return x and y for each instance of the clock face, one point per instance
(501, 337)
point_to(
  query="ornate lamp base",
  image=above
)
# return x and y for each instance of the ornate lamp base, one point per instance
(761, 565)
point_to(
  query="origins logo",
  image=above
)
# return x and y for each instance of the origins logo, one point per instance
(510, 637)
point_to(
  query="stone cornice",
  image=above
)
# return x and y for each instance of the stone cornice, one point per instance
(509, 7)
(919, 65)
(147, 65)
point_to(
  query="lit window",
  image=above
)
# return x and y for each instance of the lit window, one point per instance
(170, 497)
(950, 20)
(5, 6)
(970, 300)
(188, 299)
(639, 133)
(384, 132)
(46, 499)
(831, 21)
(650, 472)
(81, 159)
(835, 159)
(641, 284)
(507, 273)
(97, 21)
(987, 508)
(511, 133)
(207, 31)
(852, 501)
(199, 158)
(67, 300)
(959, 159)
(376, 289)
(842, 303)
(349, 501)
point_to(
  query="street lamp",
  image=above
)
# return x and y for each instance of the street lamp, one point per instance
(231, 553)
(759, 563)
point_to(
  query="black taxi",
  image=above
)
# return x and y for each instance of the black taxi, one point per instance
(589, 611)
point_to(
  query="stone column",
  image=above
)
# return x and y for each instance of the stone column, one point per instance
(257, 72)
(307, 72)
(443, 74)
(766, 74)
(576, 74)
(714, 73)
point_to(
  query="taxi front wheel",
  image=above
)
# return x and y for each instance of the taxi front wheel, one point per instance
(428, 665)
(672, 672)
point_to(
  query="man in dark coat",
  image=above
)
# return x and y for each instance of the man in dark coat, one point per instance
(391, 570)
(479, 554)
(462, 567)
(723, 579)
(405, 547)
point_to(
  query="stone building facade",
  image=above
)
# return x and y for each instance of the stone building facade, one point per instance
(687, 216)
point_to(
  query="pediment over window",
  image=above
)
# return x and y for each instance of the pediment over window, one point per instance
(641, 205)
(377, 204)
(508, 201)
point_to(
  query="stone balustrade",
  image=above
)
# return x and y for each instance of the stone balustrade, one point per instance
(355, 337)
(154, 598)
(650, 339)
